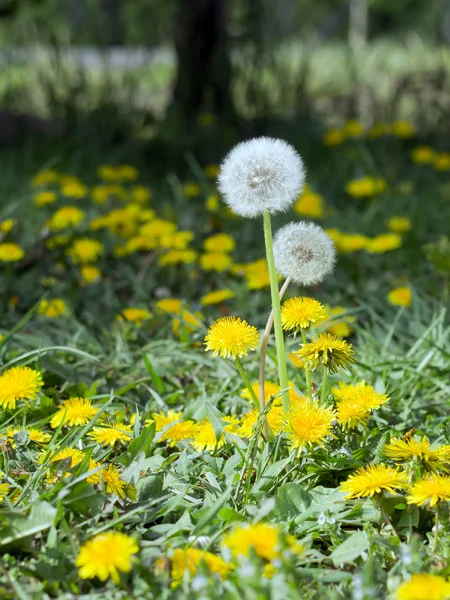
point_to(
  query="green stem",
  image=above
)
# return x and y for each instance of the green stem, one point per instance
(307, 371)
(276, 307)
(324, 387)
(436, 529)
(246, 380)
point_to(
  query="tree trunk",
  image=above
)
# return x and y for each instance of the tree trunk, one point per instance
(204, 69)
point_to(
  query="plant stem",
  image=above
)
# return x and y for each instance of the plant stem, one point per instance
(385, 517)
(324, 387)
(275, 292)
(436, 529)
(248, 385)
(307, 371)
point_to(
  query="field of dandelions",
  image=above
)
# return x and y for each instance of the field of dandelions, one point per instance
(231, 384)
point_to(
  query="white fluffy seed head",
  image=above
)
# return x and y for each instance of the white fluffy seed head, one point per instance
(303, 252)
(261, 174)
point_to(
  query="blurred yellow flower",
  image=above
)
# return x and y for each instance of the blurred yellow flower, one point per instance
(74, 189)
(399, 224)
(177, 257)
(162, 419)
(216, 297)
(45, 177)
(365, 187)
(441, 161)
(220, 242)
(106, 555)
(424, 586)
(90, 273)
(178, 432)
(10, 252)
(191, 190)
(19, 383)
(45, 198)
(134, 315)
(140, 194)
(334, 137)
(53, 309)
(379, 130)
(85, 250)
(215, 261)
(310, 205)
(110, 435)
(34, 435)
(67, 216)
(212, 203)
(423, 155)
(264, 539)
(353, 129)
(403, 129)
(189, 561)
(400, 296)
(351, 242)
(384, 243)
(212, 171)
(127, 173)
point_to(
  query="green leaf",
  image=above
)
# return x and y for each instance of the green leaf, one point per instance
(292, 500)
(158, 382)
(142, 444)
(350, 549)
(211, 513)
(41, 517)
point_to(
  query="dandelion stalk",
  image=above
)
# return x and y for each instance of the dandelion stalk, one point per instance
(307, 372)
(436, 529)
(246, 380)
(324, 387)
(276, 307)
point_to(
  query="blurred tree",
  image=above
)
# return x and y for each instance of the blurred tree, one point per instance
(111, 20)
(204, 70)
(358, 24)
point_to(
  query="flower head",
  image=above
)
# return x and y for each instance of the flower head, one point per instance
(162, 419)
(216, 297)
(52, 309)
(67, 216)
(261, 174)
(430, 490)
(109, 436)
(19, 383)
(365, 187)
(178, 432)
(409, 449)
(361, 393)
(215, 261)
(112, 481)
(4, 489)
(327, 350)
(205, 437)
(85, 250)
(34, 435)
(310, 205)
(90, 273)
(264, 539)
(300, 313)
(10, 252)
(400, 296)
(384, 242)
(74, 412)
(399, 224)
(134, 315)
(220, 242)
(350, 414)
(424, 586)
(309, 423)
(303, 252)
(106, 555)
(231, 336)
(374, 479)
(44, 198)
(188, 560)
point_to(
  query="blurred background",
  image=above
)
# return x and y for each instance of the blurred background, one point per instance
(160, 74)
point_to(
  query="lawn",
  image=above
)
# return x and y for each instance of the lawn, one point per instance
(140, 456)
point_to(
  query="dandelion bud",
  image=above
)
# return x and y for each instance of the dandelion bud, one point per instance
(261, 174)
(303, 252)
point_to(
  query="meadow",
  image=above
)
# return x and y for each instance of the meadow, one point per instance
(148, 450)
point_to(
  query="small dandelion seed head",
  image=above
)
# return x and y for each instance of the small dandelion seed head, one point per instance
(303, 252)
(261, 174)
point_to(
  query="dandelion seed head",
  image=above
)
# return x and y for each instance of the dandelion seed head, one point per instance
(303, 252)
(261, 174)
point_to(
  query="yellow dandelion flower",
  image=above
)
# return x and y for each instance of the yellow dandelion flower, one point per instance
(300, 313)
(402, 129)
(334, 137)
(178, 432)
(85, 250)
(67, 216)
(327, 350)
(10, 252)
(19, 383)
(353, 128)
(90, 273)
(45, 177)
(275, 418)
(399, 224)
(140, 194)
(384, 242)
(191, 190)
(220, 242)
(310, 205)
(258, 280)
(109, 436)
(430, 490)
(95, 478)
(264, 539)
(400, 296)
(106, 555)
(231, 336)
(308, 423)
(379, 130)
(374, 479)
(189, 561)
(34, 435)
(134, 315)
(350, 414)
(205, 437)
(424, 586)
(74, 412)
(423, 155)
(361, 393)
(441, 161)
(127, 173)
(113, 483)
(339, 327)
(7, 225)
(187, 322)
(45, 198)
(212, 203)
(216, 297)
(211, 171)
(365, 187)
(4, 489)
(72, 455)
(162, 419)
(74, 189)
(215, 261)
(53, 309)
(178, 240)
(409, 449)
(352, 242)
(170, 305)
(178, 257)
